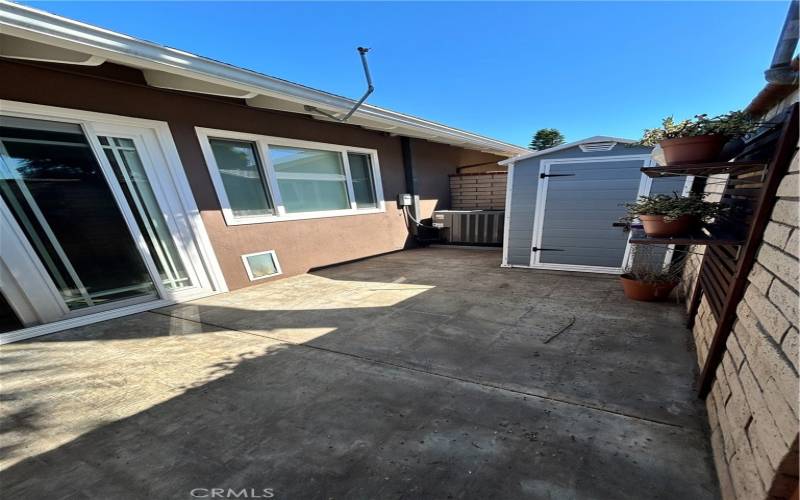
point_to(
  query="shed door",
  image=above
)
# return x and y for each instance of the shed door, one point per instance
(577, 203)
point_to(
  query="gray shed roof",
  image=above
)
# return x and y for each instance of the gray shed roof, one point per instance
(588, 140)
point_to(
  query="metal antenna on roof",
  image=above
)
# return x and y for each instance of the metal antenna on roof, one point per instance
(363, 53)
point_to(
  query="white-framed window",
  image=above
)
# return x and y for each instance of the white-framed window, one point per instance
(261, 265)
(268, 179)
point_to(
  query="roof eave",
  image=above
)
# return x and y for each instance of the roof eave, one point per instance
(37, 25)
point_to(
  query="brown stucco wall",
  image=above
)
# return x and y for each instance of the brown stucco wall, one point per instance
(433, 164)
(301, 245)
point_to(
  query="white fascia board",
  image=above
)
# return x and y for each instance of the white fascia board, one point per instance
(597, 138)
(165, 80)
(40, 26)
(29, 50)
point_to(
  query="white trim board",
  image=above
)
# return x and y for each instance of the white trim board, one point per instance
(507, 214)
(582, 269)
(540, 209)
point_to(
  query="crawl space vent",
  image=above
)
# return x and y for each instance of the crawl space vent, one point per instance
(597, 146)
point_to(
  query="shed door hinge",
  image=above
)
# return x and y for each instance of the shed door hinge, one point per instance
(537, 249)
(542, 176)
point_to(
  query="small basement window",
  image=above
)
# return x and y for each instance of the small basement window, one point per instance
(261, 265)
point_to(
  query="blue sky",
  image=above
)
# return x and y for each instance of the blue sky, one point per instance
(499, 69)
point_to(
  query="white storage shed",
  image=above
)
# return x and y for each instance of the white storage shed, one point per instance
(562, 202)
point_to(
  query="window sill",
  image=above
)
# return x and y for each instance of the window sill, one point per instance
(240, 221)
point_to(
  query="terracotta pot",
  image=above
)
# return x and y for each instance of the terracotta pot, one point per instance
(699, 149)
(656, 226)
(645, 291)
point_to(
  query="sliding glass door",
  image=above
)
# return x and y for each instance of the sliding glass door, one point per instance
(59, 197)
(85, 221)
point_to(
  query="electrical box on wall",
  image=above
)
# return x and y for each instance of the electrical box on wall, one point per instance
(405, 200)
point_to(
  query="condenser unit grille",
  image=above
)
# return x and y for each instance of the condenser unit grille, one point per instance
(476, 227)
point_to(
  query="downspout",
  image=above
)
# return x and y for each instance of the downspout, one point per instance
(411, 181)
(781, 71)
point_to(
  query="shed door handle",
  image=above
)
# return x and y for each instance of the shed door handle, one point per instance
(542, 176)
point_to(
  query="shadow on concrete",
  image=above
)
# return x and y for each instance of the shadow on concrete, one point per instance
(436, 388)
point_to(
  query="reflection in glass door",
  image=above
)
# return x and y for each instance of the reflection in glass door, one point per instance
(129, 170)
(59, 197)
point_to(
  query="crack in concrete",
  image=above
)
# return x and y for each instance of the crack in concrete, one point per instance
(483, 384)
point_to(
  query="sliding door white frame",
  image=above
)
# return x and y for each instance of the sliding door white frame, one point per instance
(26, 284)
(149, 152)
(166, 175)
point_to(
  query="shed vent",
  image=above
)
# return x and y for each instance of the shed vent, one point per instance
(597, 146)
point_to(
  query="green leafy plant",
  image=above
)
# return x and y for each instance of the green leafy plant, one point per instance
(674, 206)
(732, 124)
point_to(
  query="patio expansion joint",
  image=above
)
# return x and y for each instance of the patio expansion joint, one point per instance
(483, 384)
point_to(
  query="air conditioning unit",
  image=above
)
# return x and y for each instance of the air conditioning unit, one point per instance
(470, 227)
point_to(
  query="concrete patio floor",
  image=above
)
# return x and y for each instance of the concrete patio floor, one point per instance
(429, 373)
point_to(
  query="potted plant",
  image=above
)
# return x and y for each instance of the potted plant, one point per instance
(664, 215)
(646, 278)
(699, 139)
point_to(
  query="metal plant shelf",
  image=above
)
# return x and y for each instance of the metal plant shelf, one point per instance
(701, 237)
(704, 169)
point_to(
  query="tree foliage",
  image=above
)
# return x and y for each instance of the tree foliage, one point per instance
(546, 138)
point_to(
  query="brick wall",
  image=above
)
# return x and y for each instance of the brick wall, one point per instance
(485, 191)
(753, 404)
